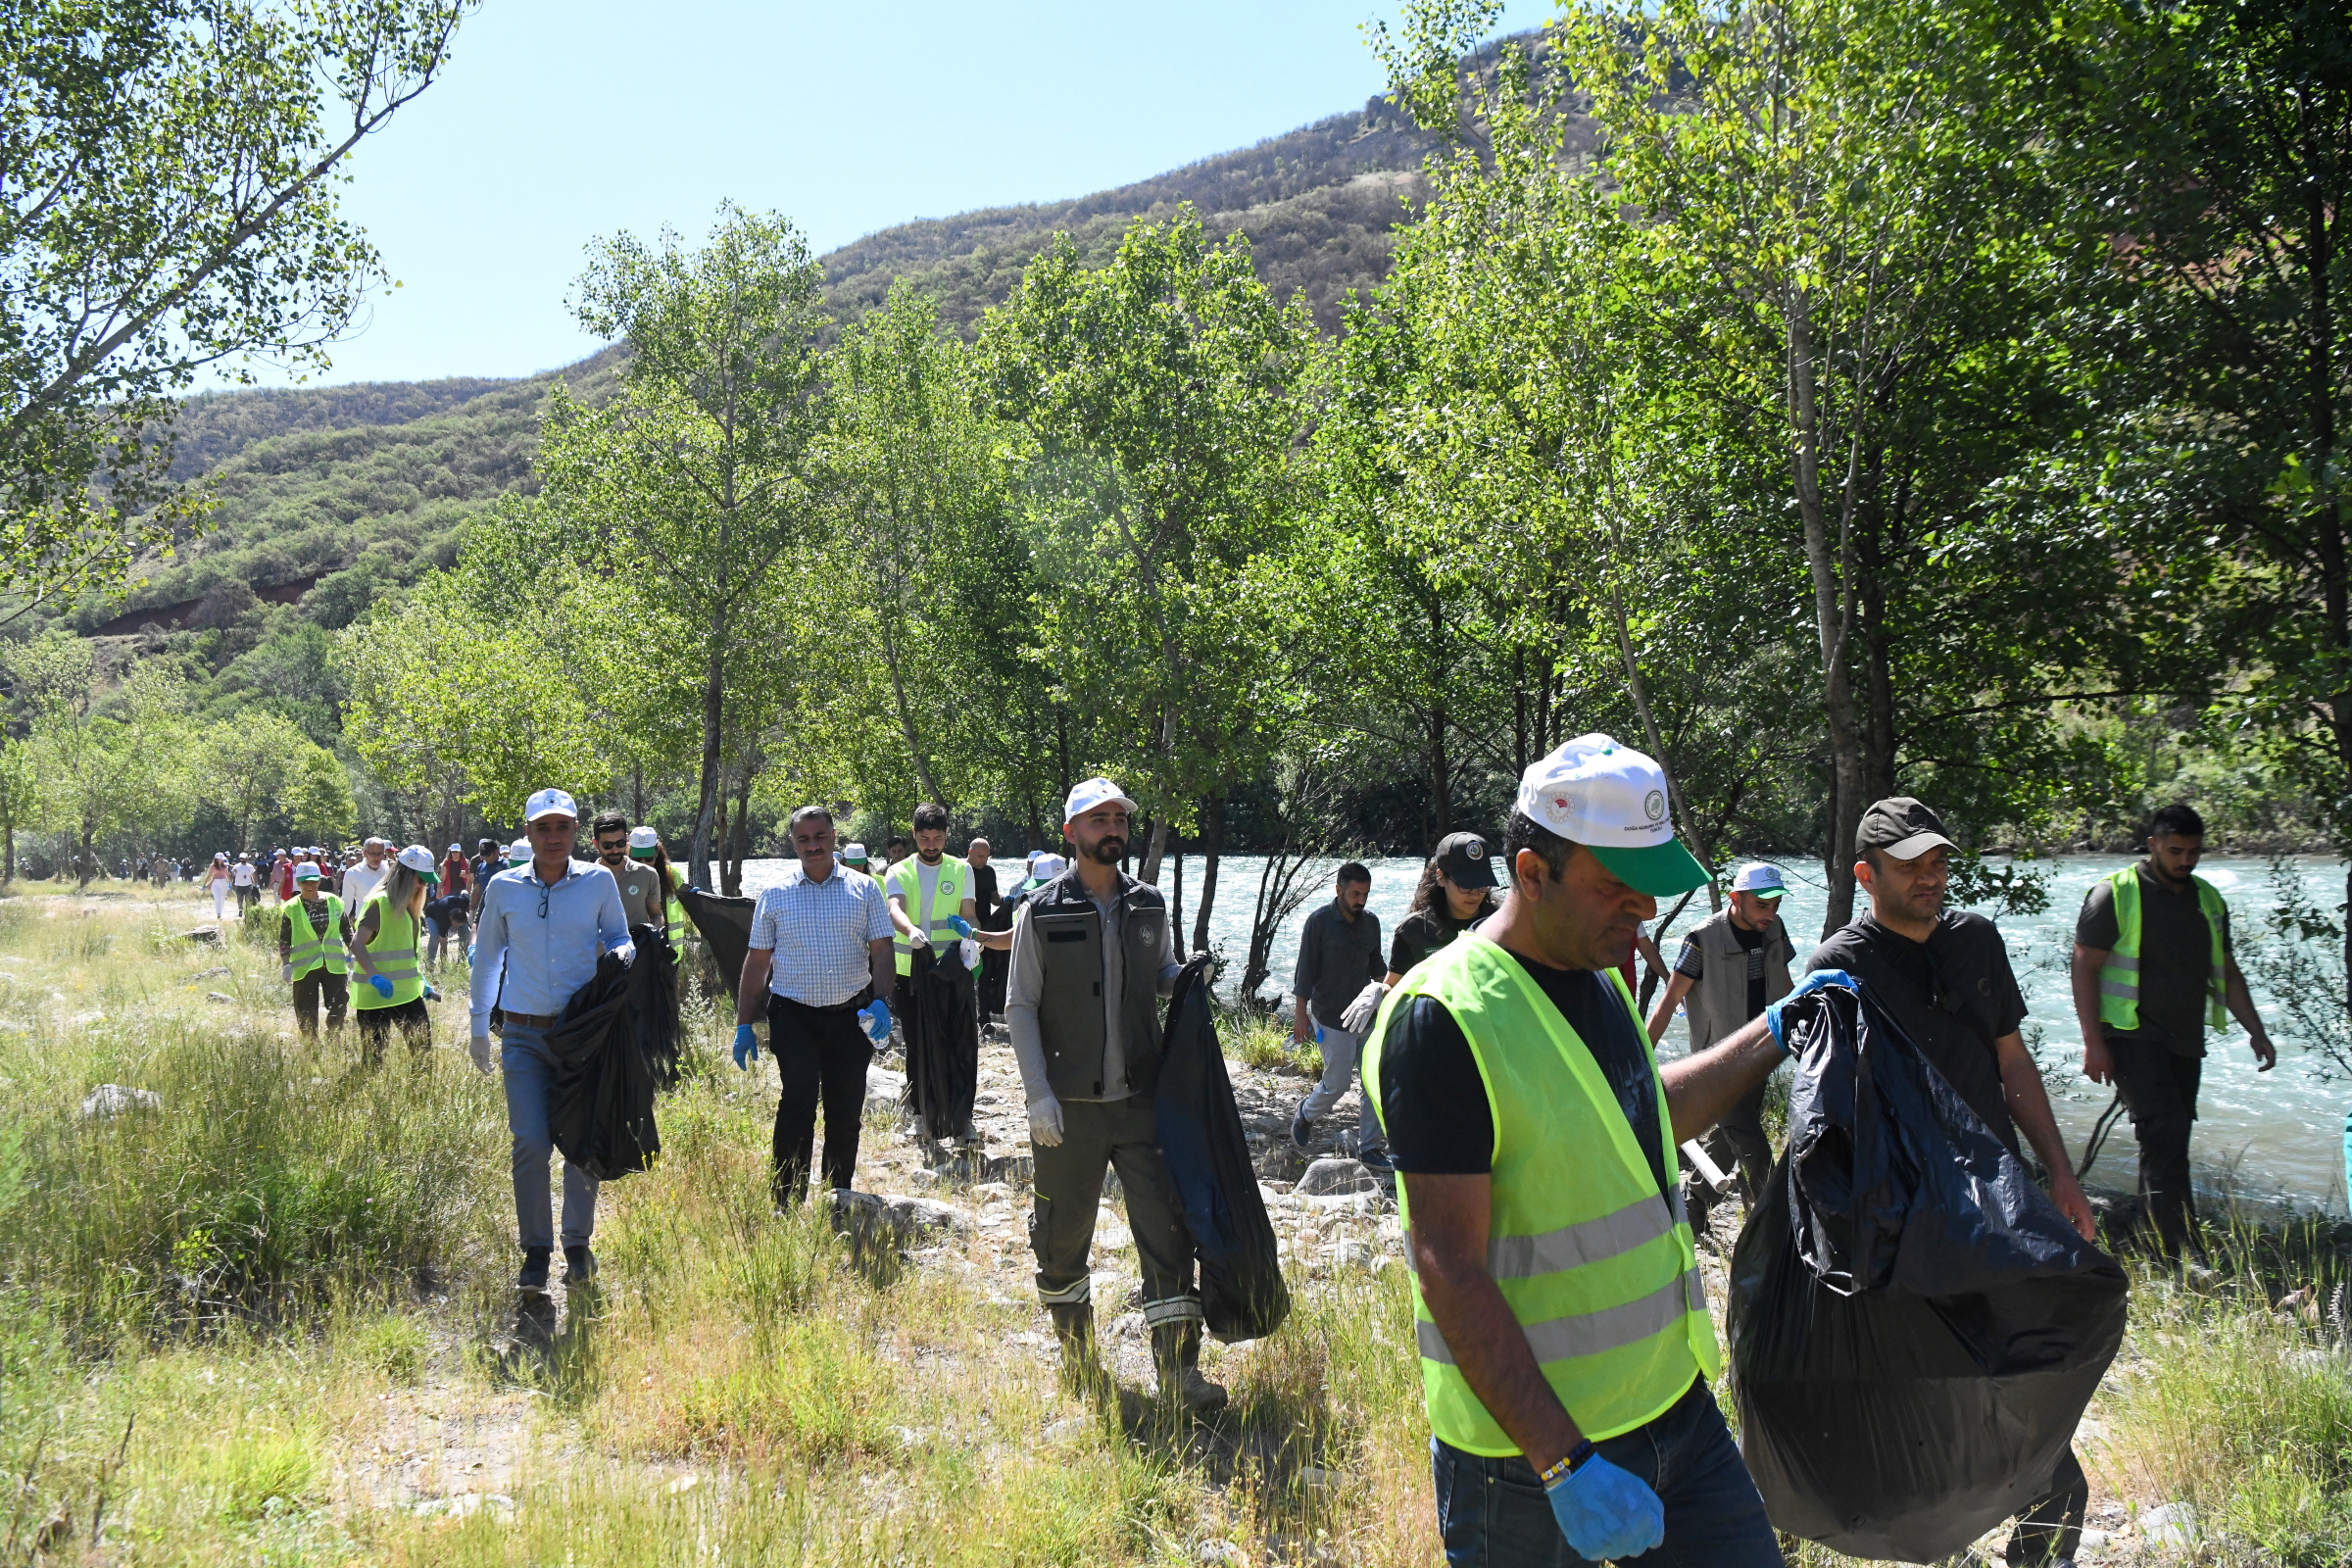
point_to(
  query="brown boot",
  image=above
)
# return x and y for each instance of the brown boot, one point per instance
(1074, 1329)
(1176, 1356)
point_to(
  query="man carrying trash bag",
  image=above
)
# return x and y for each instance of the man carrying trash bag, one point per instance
(1566, 1349)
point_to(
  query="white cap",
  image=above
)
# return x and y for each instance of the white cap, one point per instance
(1758, 878)
(1612, 800)
(853, 852)
(1048, 867)
(549, 803)
(644, 838)
(416, 858)
(1095, 792)
(519, 851)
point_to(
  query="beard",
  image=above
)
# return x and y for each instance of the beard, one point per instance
(1108, 850)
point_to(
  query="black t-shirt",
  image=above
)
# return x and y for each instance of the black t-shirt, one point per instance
(1751, 943)
(1435, 1097)
(1423, 932)
(447, 908)
(1954, 996)
(2175, 959)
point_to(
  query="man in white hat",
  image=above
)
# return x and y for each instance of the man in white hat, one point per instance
(1091, 956)
(1563, 1332)
(361, 879)
(542, 929)
(1731, 966)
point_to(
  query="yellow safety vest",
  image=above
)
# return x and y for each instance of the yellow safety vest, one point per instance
(1597, 1265)
(2119, 978)
(905, 879)
(672, 910)
(393, 951)
(313, 949)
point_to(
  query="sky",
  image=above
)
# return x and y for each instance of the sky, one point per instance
(562, 120)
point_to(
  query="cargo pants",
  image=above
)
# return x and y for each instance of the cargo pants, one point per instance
(1122, 1135)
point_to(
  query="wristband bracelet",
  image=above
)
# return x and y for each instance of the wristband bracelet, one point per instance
(1568, 1463)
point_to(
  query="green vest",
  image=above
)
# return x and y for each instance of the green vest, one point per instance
(672, 910)
(312, 948)
(393, 951)
(955, 885)
(2119, 980)
(1597, 1265)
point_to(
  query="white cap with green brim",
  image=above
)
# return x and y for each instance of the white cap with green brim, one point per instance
(1756, 877)
(1612, 800)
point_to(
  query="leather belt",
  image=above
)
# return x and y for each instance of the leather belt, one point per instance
(529, 1021)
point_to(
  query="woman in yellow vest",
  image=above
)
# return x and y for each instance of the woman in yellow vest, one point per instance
(384, 953)
(645, 848)
(1564, 1338)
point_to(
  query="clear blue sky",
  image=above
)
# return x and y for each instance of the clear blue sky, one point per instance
(561, 122)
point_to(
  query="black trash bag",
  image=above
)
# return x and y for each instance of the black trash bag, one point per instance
(602, 1115)
(654, 1013)
(1200, 1136)
(1915, 1328)
(943, 1045)
(726, 924)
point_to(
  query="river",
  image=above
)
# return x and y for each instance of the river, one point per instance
(2270, 1138)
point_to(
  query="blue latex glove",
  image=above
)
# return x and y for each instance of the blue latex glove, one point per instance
(961, 926)
(1805, 987)
(1606, 1512)
(747, 1047)
(877, 1014)
(430, 995)
(383, 986)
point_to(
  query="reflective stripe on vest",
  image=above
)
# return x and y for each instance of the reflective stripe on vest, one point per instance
(955, 885)
(2119, 978)
(312, 949)
(1596, 1263)
(393, 951)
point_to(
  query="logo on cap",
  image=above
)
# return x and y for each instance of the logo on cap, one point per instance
(1655, 803)
(1476, 849)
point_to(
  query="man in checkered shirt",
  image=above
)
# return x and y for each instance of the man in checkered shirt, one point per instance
(819, 963)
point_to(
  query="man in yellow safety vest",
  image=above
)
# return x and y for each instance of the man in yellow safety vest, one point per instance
(2152, 971)
(932, 894)
(1563, 1331)
(312, 931)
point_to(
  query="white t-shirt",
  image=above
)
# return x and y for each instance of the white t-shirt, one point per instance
(358, 882)
(242, 875)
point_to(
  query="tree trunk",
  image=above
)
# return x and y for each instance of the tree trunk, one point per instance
(1212, 849)
(740, 839)
(1159, 847)
(1832, 619)
(1639, 692)
(637, 793)
(1176, 898)
(698, 865)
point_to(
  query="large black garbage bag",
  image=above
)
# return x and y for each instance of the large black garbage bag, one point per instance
(653, 1008)
(942, 1044)
(1915, 1328)
(1200, 1136)
(603, 1112)
(727, 924)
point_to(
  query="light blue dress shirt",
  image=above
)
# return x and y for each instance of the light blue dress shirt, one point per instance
(546, 958)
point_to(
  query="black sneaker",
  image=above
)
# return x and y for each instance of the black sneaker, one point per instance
(1302, 1130)
(534, 1269)
(579, 1265)
(1376, 1160)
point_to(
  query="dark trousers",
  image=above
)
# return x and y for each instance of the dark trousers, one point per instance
(1493, 1513)
(1098, 1134)
(2052, 1530)
(315, 989)
(375, 1027)
(994, 966)
(2159, 1087)
(821, 1054)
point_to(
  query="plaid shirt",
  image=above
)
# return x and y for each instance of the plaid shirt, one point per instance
(818, 932)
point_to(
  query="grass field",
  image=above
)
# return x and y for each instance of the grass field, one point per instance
(271, 1320)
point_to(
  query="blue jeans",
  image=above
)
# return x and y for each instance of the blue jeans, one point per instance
(1494, 1513)
(530, 1074)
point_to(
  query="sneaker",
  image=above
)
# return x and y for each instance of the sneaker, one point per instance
(533, 1277)
(1196, 1394)
(1376, 1160)
(1302, 1130)
(579, 1266)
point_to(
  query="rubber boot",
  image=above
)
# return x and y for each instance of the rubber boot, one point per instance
(1074, 1329)
(1176, 1358)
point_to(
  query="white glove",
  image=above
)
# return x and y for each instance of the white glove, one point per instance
(967, 952)
(1045, 1122)
(1357, 1019)
(479, 1050)
(626, 952)
(285, 971)
(920, 939)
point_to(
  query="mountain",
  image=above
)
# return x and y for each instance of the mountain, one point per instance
(330, 497)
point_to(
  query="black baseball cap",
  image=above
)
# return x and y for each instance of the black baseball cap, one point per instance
(1900, 828)
(1463, 857)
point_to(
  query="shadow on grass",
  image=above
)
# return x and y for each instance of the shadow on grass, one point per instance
(548, 1349)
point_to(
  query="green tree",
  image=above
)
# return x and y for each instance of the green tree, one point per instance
(692, 479)
(167, 173)
(106, 761)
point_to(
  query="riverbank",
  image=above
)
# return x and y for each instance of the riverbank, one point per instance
(268, 1318)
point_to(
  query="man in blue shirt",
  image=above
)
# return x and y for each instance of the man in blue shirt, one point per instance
(543, 927)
